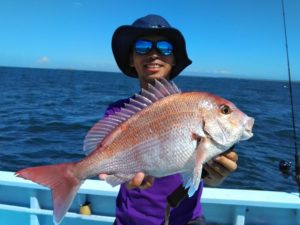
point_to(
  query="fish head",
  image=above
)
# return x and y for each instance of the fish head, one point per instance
(223, 122)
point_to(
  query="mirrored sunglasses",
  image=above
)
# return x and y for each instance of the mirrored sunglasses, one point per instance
(143, 47)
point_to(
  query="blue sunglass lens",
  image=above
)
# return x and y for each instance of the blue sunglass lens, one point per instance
(165, 47)
(143, 47)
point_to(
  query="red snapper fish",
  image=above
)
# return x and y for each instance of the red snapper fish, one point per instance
(160, 132)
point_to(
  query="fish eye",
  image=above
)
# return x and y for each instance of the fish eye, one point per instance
(225, 109)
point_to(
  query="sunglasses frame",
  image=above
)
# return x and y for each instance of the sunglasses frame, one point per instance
(154, 44)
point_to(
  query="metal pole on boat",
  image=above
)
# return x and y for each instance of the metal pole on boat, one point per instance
(297, 166)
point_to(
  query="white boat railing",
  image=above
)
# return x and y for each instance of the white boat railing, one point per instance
(26, 203)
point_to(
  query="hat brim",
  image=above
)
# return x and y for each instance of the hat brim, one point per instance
(124, 37)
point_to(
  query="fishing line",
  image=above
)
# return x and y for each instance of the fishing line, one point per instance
(297, 166)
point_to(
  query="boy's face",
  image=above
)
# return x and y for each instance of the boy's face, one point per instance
(152, 65)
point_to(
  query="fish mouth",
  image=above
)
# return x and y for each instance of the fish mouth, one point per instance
(248, 129)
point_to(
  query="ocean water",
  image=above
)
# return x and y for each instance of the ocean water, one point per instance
(45, 115)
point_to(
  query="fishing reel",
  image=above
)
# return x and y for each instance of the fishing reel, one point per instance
(285, 167)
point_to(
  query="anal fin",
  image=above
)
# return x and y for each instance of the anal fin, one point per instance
(117, 179)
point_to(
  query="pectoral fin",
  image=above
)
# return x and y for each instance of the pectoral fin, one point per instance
(186, 179)
(199, 160)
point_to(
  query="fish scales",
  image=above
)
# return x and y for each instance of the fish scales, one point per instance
(162, 119)
(159, 135)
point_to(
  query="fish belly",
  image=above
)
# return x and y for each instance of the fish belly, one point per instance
(171, 153)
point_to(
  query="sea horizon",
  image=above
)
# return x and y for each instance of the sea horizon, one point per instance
(184, 73)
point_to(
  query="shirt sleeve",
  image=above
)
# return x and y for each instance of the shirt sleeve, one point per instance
(115, 107)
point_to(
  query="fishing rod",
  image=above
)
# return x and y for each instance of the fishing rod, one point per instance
(296, 155)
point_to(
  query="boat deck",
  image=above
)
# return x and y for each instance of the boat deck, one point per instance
(23, 202)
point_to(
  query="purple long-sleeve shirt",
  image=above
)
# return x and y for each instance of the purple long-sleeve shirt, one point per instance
(147, 207)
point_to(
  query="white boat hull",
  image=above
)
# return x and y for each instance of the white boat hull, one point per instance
(23, 202)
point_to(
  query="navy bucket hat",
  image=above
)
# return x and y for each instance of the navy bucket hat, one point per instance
(125, 36)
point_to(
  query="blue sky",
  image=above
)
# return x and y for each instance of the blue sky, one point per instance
(226, 38)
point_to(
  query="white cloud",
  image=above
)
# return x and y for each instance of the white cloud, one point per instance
(77, 4)
(222, 71)
(43, 60)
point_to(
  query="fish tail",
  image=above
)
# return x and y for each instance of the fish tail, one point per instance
(62, 181)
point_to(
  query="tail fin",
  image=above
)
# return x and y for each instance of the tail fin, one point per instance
(61, 180)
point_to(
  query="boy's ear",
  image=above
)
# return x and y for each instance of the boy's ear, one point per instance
(174, 62)
(131, 60)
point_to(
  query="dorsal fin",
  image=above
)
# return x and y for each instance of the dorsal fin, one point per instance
(103, 127)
